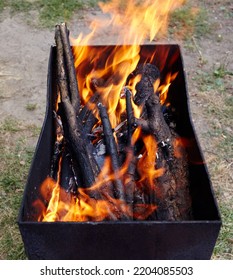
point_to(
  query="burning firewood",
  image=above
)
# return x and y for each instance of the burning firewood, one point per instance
(130, 116)
(145, 87)
(130, 184)
(172, 192)
(134, 169)
(72, 81)
(77, 144)
(86, 115)
(111, 151)
(58, 146)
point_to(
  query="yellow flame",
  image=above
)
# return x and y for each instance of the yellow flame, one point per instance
(135, 21)
(106, 70)
(146, 164)
(163, 89)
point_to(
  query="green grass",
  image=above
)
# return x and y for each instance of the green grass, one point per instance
(215, 90)
(188, 21)
(31, 107)
(22, 5)
(55, 11)
(221, 71)
(215, 79)
(50, 12)
(15, 158)
(10, 125)
(224, 244)
(2, 5)
(215, 93)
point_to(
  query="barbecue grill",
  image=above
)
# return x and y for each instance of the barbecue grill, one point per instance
(165, 240)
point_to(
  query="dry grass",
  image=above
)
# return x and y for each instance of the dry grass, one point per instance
(213, 102)
(16, 150)
(189, 20)
(216, 106)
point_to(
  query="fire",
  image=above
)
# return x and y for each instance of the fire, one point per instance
(106, 71)
(146, 164)
(163, 89)
(135, 22)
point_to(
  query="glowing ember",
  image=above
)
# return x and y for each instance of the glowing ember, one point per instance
(104, 73)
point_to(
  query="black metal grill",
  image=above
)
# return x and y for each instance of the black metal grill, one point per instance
(124, 239)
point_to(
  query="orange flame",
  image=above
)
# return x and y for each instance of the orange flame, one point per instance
(134, 21)
(146, 164)
(163, 89)
(106, 70)
(65, 207)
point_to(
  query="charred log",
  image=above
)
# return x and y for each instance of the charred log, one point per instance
(156, 122)
(75, 181)
(130, 115)
(71, 73)
(58, 146)
(74, 138)
(87, 116)
(143, 124)
(89, 123)
(87, 109)
(130, 184)
(145, 87)
(130, 177)
(172, 192)
(111, 149)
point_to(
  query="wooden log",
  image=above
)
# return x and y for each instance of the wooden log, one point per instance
(57, 151)
(87, 109)
(89, 123)
(172, 188)
(130, 184)
(74, 138)
(75, 181)
(145, 87)
(156, 122)
(77, 143)
(58, 146)
(111, 149)
(71, 73)
(129, 179)
(143, 124)
(87, 116)
(130, 116)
